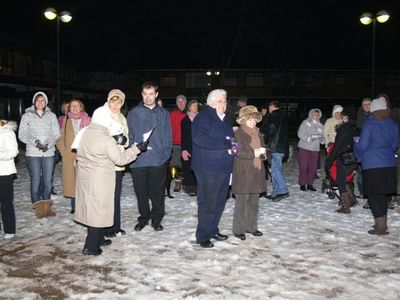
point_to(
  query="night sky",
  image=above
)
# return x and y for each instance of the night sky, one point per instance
(120, 35)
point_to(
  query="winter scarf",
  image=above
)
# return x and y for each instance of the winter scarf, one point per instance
(83, 116)
(254, 143)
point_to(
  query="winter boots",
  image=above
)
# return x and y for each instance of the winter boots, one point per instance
(43, 209)
(178, 185)
(345, 200)
(380, 227)
(353, 199)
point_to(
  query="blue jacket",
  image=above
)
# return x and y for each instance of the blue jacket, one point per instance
(377, 144)
(210, 152)
(140, 120)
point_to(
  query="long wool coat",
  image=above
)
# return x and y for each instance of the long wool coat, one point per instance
(68, 159)
(95, 176)
(247, 179)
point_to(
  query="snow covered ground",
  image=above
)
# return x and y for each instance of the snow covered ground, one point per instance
(308, 251)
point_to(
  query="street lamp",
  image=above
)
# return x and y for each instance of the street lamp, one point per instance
(366, 18)
(65, 17)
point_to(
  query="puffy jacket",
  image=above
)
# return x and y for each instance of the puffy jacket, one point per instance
(43, 128)
(142, 119)
(377, 144)
(8, 151)
(210, 152)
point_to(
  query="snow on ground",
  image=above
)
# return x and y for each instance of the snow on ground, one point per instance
(308, 251)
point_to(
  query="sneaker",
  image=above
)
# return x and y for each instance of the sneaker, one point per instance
(9, 235)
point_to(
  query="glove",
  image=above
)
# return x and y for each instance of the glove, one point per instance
(258, 152)
(41, 147)
(142, 146)
(309, 139)
(120, 139)
(228, 142)
(185, 155)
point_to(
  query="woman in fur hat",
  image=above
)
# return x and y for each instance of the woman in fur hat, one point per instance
(248, 177)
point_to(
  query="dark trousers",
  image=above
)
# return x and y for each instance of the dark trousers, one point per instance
(7, 203)
(378, 204)
(342, 172)
(94, 238)
(117, 204)
(149, 183)
(245, 213)
(188, 176)
(211, 199)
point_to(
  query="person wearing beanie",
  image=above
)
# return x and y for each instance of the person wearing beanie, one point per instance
(248, 176)
(189, 180)
(40, 132)
(75, 119)
(375, 150)
(177, 116)
(344, 145)
(120, 132)
(8, 151)
(331, 123)
(311, 136)
(97, 154)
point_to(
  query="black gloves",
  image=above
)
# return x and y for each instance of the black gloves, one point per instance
(142, 146)
(41, 147)
(120, 138)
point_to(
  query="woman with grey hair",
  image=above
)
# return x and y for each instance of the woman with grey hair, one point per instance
(212, 162)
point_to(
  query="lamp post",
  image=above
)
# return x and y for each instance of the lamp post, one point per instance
(65, 17)
(366, 18)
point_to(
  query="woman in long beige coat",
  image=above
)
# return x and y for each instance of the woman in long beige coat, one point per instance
(248, 178)
(70, 124)
(97, 154)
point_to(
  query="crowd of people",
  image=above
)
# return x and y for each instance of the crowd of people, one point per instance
(209, 150)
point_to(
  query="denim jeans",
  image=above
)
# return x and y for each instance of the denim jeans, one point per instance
(40, 167)
(279, 185)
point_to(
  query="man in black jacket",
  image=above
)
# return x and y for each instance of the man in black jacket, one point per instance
(275, 132)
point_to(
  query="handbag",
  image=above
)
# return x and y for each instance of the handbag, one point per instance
(348, 158)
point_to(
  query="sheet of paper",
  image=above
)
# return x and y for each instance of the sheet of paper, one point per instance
(147, 135)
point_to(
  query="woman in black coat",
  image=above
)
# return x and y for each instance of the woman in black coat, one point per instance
(344, 144)
(189, 180)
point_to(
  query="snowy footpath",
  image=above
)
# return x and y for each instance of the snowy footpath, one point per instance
(308, 251)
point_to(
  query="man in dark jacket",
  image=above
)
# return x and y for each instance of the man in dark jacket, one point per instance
(275, 133)
(149, 172)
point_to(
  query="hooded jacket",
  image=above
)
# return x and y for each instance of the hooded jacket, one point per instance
(330, 124)
(8, 151)
(308, 132)
(42, 128)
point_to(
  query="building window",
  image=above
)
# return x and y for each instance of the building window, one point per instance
(230, 80)
(393, 81)
(168, 81)
(278, 80)
(255, 80)
(6, 62)
(197, 80)
(340, 80)
(313, 80)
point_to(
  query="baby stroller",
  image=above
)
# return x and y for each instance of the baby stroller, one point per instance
(329, 185)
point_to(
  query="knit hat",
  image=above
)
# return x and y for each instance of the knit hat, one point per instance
(337, 108)
(34, 98)
(378, 104)
(116, 92)
(248, 112)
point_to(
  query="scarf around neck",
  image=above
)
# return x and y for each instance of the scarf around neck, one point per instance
(255, 142)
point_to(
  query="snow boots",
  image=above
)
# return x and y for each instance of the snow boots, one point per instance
(344, 201)
(43, 209)
(380, 227)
